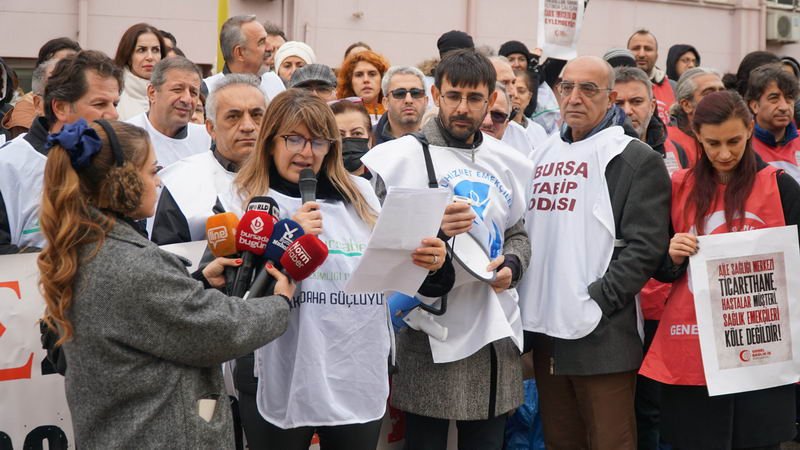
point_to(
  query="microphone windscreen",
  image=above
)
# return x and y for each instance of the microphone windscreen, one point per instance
(221, 233)
(266, 204)
(254, 231)
(304, 256)
(285, 232)
(307, 185)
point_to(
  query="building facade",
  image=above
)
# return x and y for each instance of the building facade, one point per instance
(722, 30)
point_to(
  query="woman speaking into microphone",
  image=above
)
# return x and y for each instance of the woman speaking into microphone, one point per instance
(730, 189)
(328, 373)
(144, 342)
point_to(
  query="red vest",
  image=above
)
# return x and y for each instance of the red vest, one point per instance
(783, 157)
(654, 294)
(689, 144)
(652, 298)
(664, 99)
(674, 357)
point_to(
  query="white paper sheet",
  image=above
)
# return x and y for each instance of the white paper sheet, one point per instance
(408, 215)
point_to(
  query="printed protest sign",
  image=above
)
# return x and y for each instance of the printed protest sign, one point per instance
(560, 23)
(747, 308)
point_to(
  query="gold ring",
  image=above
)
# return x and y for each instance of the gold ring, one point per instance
(435, 259)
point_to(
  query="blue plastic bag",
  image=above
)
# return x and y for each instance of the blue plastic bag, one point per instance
(524, 428)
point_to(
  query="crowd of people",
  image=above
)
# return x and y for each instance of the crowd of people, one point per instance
(584, 185)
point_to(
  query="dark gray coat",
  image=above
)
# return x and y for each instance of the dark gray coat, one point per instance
(640, 199)
(149, 342)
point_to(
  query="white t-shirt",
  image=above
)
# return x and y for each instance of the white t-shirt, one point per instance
(271, 84)
(169, 150)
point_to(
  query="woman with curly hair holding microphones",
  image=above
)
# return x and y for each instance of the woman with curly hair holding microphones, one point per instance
(730, 189)
(143, 340)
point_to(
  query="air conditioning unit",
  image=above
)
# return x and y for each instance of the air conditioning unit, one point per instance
(783, 4)
(783, 26)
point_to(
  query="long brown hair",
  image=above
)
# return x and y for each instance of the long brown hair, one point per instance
(127, 44)
(68, 220)
(286, 111)
(715, 109)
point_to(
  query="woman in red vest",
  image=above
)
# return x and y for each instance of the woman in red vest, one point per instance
(730, 189)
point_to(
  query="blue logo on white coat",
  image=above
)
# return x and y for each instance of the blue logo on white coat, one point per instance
(476, 194)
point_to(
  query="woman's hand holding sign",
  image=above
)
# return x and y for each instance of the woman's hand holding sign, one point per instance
(681, 246)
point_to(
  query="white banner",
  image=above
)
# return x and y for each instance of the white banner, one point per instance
(560, 23)
(747, 308)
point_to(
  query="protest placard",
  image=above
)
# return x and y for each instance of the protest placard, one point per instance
(746, 305)
(560, 23)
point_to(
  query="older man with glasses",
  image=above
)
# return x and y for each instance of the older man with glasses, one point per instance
(598, 217)
(405, 100)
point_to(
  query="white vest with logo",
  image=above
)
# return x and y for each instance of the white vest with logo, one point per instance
(195, 184)
(169, 150)
(516, 136)
(536, 134)
(476, 315)
(21, 178)
(330, 367)
(571, 226)
(271, 84)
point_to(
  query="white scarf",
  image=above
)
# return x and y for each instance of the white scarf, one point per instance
(133, 100)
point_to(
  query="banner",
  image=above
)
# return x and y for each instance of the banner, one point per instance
(560, 23)
(748, 315)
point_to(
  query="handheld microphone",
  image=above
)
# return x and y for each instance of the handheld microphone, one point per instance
(253, 234)
(300, 260)
(304, 256)
(266, 204)
(221, 233)
(286, 232)
(307, 185)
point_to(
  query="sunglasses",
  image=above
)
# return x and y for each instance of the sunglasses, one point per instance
(400, 94)
(498, 118)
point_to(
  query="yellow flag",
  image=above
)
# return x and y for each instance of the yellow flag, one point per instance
(222, 16)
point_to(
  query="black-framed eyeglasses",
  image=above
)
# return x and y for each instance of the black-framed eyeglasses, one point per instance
(586, 88)
(498, 117)
(296, 143)
(400, 93)
(474, 101)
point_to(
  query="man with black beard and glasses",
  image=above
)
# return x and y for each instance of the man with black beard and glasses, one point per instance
(475, 375)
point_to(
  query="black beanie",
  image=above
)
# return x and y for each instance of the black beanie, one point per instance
(454, 40)
(511, 47)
